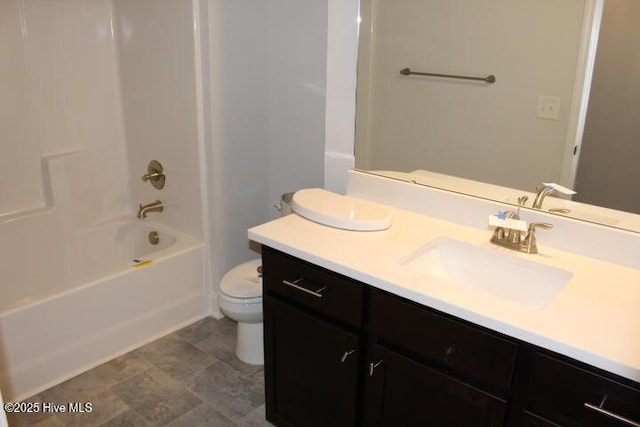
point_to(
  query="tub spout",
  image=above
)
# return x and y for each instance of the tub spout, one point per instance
(143, 210)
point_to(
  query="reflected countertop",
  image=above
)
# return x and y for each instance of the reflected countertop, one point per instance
(567, 208)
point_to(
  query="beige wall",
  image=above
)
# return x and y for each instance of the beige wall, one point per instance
(611, 143)
(457, 127)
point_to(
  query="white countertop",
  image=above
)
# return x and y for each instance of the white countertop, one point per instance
(595, 318)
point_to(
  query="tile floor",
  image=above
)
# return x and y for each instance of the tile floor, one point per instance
(189, 378)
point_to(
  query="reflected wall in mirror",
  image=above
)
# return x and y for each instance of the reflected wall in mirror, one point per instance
(522, 130)
(608, 173)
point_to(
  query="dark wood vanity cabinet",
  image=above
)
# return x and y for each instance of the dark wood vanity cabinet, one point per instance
(450, 345)
(572, 395)
(310, 382)
(341, 353)
(312, 331)
(401, 391)
(427, 369)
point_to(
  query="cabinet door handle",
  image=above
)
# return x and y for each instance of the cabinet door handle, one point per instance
(373, 366)
(346, 354)
(611, 414)
(297, 284)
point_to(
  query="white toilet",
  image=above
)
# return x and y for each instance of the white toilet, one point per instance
(240, 299)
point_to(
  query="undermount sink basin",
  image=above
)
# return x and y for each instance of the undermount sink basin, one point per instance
(485, 269)
(338, 211)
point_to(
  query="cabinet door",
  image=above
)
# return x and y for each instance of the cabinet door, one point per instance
(401, 392)
(310, 369)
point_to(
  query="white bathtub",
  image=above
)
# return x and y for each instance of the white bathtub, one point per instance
(93, 304)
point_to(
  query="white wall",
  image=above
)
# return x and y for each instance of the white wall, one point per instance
(239, 167)
(267, 71)
(297, 46)
(457, 127)
(342, 48)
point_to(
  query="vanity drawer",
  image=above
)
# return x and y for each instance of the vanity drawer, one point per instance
(572, 396)
(313, 287)
(424, 334)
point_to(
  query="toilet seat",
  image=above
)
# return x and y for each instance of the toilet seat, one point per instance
(242, 283)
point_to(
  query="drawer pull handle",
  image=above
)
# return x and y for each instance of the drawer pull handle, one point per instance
(611, 414)
(373, 366)
(295, 284)
(346, 354)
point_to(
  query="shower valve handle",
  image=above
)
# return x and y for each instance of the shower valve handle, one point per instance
(154, 176)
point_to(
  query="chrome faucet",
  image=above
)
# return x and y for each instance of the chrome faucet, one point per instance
(143, 210)
(542, 192)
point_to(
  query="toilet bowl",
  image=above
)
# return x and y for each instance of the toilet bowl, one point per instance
(240, 299)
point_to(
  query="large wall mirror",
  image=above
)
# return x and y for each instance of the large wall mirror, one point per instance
(564, 107)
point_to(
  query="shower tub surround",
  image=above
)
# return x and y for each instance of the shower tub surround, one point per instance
(93, 91)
